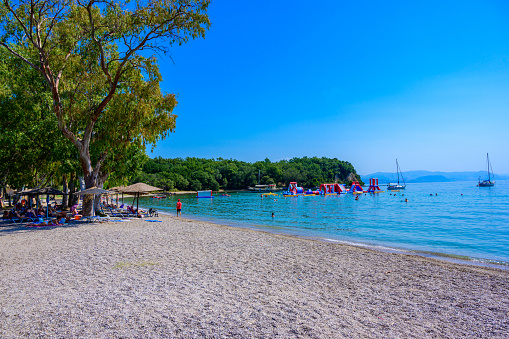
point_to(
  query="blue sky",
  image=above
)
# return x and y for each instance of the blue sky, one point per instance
(366, 82)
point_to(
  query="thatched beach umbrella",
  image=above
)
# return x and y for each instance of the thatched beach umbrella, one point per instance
(118, 189)
(139, 188)
(93, 190)
(44, 190)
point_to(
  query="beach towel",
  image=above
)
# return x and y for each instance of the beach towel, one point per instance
(153, 220)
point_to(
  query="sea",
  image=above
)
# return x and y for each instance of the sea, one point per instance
(455, 221)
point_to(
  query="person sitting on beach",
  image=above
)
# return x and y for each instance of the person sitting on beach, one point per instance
(15, 214)
(74, 210)
(75, 214)
(40, 211)
(6, 215)
(51, 211)
(30, 213)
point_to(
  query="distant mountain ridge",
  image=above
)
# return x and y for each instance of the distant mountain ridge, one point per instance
(428, 176)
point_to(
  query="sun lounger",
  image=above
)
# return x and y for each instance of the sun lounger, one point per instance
(118, 214)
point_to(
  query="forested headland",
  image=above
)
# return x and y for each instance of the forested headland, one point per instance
(193, 174)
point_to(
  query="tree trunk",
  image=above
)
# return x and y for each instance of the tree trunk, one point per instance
(2, 194)
(66, 190)
(70, 197)
(73, 199)
(89, 176)
(101, 179)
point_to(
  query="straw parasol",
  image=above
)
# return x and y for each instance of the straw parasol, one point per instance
(93, 190)
(43, 190)
(117, 190)
(137, 189)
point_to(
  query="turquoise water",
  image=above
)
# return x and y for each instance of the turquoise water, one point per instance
(474, 225)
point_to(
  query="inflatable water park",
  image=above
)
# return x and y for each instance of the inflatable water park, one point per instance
(332, 189)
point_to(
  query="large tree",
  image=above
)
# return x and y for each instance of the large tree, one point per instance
(33, 150)
(89, 53)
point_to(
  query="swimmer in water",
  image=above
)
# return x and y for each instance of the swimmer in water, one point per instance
(273, 214)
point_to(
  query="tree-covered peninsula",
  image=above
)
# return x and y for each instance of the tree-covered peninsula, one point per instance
(214, 174)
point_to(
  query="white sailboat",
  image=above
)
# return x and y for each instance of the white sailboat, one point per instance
(489, 182)
(398, 186)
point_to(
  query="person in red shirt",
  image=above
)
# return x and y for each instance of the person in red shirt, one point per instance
(179, 209)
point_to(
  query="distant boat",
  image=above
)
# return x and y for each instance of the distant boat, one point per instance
(264, 188)
(487, 183)
(398, 186)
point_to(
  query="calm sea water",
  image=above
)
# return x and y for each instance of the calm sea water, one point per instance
(446, 219)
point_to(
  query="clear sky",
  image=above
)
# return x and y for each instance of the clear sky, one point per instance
(426, 82)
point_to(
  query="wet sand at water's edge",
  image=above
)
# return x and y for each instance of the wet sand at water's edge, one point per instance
(182, 278)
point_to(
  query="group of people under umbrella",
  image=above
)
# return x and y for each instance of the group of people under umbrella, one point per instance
(135, 189)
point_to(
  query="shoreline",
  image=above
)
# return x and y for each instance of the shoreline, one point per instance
(459, 259)
(186, 278)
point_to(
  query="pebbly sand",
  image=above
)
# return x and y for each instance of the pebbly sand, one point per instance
(188, 279)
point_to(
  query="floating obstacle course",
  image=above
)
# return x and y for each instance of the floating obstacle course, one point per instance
(373, 186)
(294, 190)
(332, 189)
(356, 188)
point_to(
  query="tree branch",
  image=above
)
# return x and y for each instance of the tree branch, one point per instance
(20, 56)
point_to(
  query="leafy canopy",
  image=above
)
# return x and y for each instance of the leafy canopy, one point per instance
(93, 60)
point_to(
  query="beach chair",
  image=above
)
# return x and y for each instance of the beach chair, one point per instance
(30, 217)
(118, 214)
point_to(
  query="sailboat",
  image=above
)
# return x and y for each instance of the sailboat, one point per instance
(489, 182)
(398, 186)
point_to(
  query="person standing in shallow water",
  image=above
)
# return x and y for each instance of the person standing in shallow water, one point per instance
(179, 208)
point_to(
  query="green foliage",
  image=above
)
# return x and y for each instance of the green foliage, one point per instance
(93, 70)
(33, 150)
(195, 174)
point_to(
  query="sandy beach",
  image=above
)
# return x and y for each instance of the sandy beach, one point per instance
(188, 279)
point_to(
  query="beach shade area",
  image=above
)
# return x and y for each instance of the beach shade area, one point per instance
(43, 190)
(138, 189)
(117, 190)
(95, 191)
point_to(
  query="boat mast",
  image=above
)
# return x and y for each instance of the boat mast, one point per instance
(397, 169)
(490, 169)
(488, 160)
